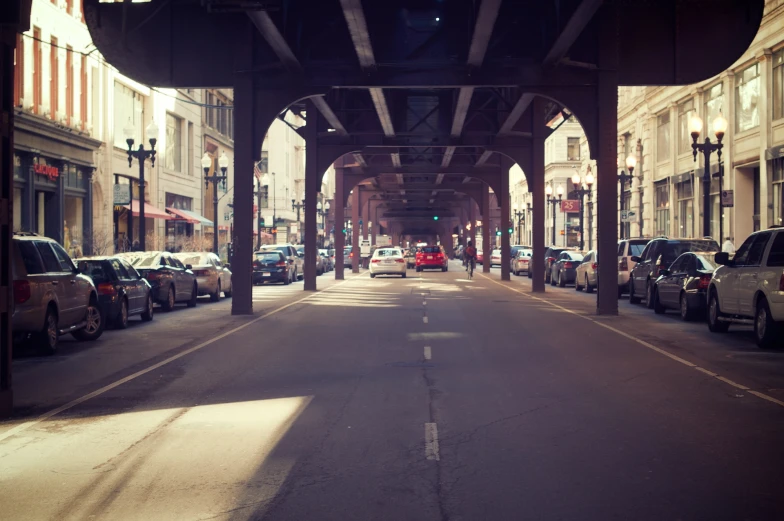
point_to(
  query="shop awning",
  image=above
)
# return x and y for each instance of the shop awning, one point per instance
(150, 212)
(187, 215)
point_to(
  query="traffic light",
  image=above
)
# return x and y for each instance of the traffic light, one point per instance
(435, 217)
(498, 232)
(511, 230)
(261, 222)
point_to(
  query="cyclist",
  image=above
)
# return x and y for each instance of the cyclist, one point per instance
(470, 258)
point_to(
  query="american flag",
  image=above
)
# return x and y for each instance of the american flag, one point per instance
(257, 171)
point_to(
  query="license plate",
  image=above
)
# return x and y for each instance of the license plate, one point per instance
(429, 257)
(266, 274)
(389, 262)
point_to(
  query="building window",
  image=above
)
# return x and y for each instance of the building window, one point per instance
(777, 192)
(685, 112)
(54, 76)
(663, 137)
(746, 111)
(83, 93)
(69, 85)
(128, 108)
(18, 70)
(573, 148)
(716, 209)
(37, 62)
(714, 98)
(685, 194)
(778, 85)
(173, 157)
(662, 224)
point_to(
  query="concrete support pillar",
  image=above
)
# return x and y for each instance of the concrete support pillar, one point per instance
(537, 189)
(606, 184)
(487, 229)
(340, 220)
(504, 224)
(355, 229)
(472, 220)
(312, 186)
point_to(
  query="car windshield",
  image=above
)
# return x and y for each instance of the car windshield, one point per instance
(706, 262)
(95, 270)
(431, 249)
(281, 249)
(675, 249)
(524, 253)
(496, 253)
(268, 255)
(194, 259)
(146, 261)
(575, 256)
(635, 248)
(388, 252)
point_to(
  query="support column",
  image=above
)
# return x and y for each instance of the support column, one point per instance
(537, 190)
(355, 229)
(472, 220)
(486, 228)
(312, 186)
(340, 222)
(504, 225)
(606, 185)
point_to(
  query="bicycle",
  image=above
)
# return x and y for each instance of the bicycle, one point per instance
(470, 268)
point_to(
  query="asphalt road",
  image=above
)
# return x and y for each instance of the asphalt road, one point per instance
(426, 398)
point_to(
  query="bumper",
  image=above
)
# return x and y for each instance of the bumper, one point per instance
(269, 276)
(110, 307)
(381, 269)
(776, 305)
(28, 319)
(207, 285)
(697, 299)
(522, 267)
(623, 280)
(430, 266)
(569, 275)
(159, 293)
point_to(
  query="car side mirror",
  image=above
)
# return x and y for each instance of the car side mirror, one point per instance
(227, 266)
(635, 258)
(188, 267)
(723, 258)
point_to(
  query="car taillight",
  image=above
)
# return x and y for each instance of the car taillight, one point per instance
(152, 275)
(256, 264)
(440, 256)
(21, 291)
(375, 261)
(281, 264)
(106, 288)
(623, 264)
(350, 254)
(594, 265)
(567, 264)
(550, 259)
(704, 282)
(401, 261)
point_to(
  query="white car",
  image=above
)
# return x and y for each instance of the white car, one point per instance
(751, 286)
(212, 276)
(521, 261)
(495, 258)
(388, 261)
(628, 248)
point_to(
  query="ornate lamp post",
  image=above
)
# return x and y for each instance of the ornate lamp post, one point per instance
(298, 206)
(322, 211)
(582, 187)
(631, 162)
(223, 163)
(141, 154)
(520, 217)
(265, 181)
(719, 128)
(553, 201)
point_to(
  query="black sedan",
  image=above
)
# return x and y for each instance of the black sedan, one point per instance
(270, 266)
(564, 270)
(122, 292)
(684, 285)
(171, 280)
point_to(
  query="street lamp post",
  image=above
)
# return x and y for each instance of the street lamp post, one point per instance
(528, 239)
(520, 217)
(323, 210)
(298, 206)
(582, 187)
(631, 162)
(553, 201)
(719, 128)
(223, 163)
(265, 182)
(141, 154)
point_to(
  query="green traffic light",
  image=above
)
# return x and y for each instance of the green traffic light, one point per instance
(498, 233)
(435, 217)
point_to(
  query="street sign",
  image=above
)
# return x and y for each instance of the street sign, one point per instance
(570, 206)
(727, 198)
(627, 216)
(121, 194)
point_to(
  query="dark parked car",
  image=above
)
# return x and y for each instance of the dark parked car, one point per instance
(564, 269)
(550, 255)
(171, 280)
(657, 256)
(122, 292)
(348, 257)
(296, 263)
(684, 285)
(270, 266)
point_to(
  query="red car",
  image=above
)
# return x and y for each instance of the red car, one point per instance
(431, 258)
(480, 257)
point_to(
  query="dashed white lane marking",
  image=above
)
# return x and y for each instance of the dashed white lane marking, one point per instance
(431, 442)
(650, 346)
(45, 416)
(428, 353)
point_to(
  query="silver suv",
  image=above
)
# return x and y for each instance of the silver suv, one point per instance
(51, 297)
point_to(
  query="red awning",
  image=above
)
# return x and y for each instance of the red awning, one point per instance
(150, 211)
(179, 215)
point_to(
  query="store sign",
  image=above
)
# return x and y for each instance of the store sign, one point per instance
(727, 198)
(570, 206)
(627, 216)
(121, 194)
(52, 172)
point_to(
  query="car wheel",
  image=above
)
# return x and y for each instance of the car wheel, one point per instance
(649, 295)
(419, 269)
(632, 298)
(194, 296)
(121, 322)
(658, 308)
(147, 316)
(403, 275)
(620, 292)
(47, 339)
(168, 304)
(93, 328)
(714, 313)
(227, 293)
(287, 280)
(552, 279)
(372, 275)
(561, 280)
(683, 305)
(443, 269)
(215, 297)
(530, 275)
(766, 330)
(588, 287)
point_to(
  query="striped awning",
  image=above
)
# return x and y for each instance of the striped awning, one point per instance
(150, 212)
(187, 215)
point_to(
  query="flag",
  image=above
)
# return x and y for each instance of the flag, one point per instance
(257, 171)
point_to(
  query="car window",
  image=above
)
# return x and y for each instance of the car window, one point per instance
(742, 254)
(431, 249)
(119, 269)
(132, 273)
(646, 252)
(575, 256)
(51, 264)
(65, 261)
(758, 249)
(621, 249)
(30, 257)
(705, 262)
(776, 255)
(97, 271)
(679, 265)
(175, 262)
(216, 260)
(147, 261)
(388, 253)
(636, 249)
(195, 259)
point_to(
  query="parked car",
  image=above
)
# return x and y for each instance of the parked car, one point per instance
(684, 285)
(587, 273)
(271, 266)
(480, 257)
(327, 260)
(51, 297)
(122, 292)
(521, 262)
(564, 269)
(459, 252)
(212, 276)
(495, 258)
(171, 280)
(296, 268)
(751, 286)
(431, 257)
(410, 257)
(550, 255)
(658, 254)
(320, 269)
(348, 257)
(388, 261)
(627, 248)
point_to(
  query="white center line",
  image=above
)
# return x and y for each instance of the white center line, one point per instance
(428, 353)
(431, 442)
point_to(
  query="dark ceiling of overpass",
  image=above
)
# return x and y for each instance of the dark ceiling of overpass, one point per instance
(424, 88)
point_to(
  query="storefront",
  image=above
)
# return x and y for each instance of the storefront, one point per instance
(775, 158)
(52, 183)
(684, 193)
(662, 208)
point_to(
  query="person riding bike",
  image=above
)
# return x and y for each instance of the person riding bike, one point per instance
(470, 256)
